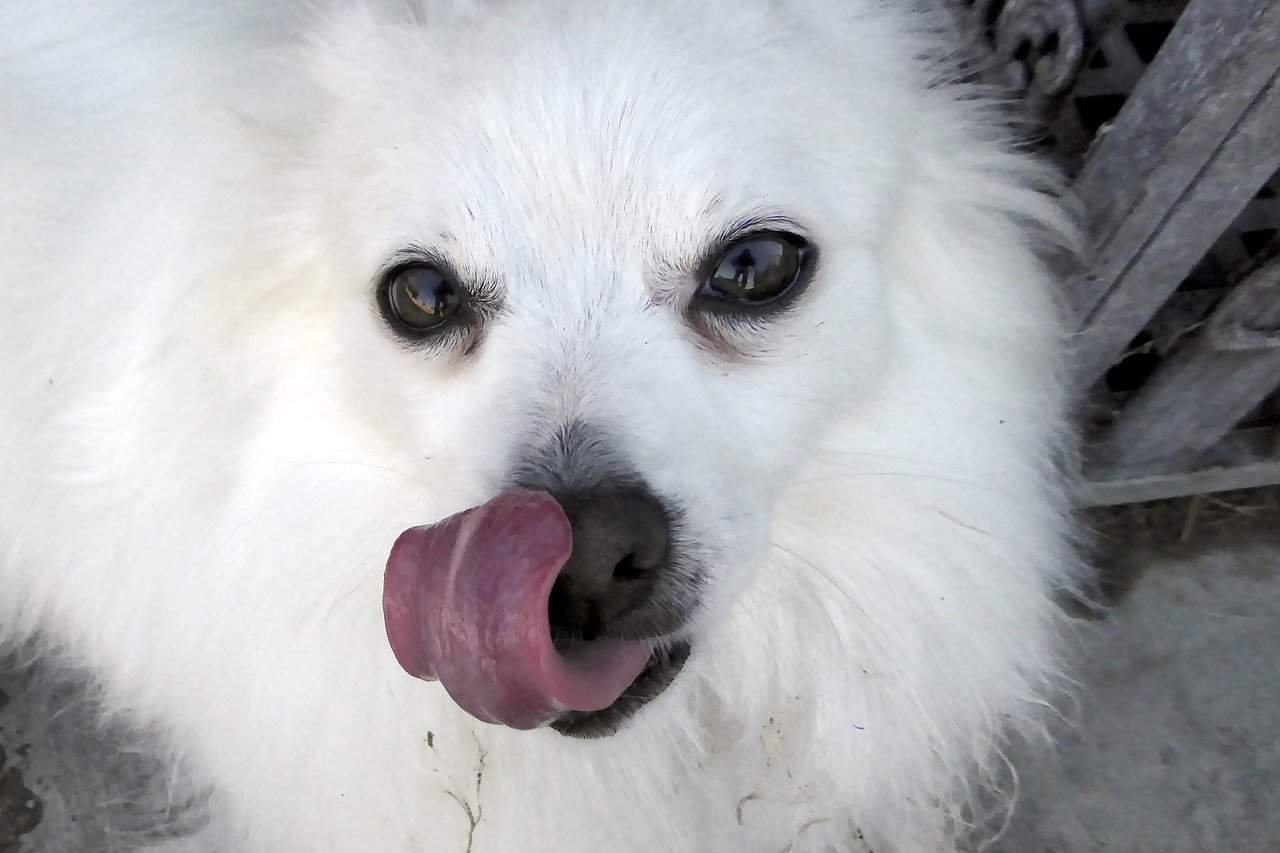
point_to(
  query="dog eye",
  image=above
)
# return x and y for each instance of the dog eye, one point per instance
(757, 269)
(421, 298)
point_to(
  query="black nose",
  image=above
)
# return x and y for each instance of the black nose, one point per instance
(621, 544)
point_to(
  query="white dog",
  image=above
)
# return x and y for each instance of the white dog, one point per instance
(728, 317)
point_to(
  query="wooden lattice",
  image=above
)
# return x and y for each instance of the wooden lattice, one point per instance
(1167, 114)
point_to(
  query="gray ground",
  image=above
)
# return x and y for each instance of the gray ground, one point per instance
(1175, 745)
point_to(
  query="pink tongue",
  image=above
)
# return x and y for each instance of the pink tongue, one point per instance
(465, 602)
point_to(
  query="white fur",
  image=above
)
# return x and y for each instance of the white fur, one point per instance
(209, 439)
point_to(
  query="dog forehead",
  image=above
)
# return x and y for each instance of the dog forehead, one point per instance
(601, 124)
(609, 151)
(584, 148)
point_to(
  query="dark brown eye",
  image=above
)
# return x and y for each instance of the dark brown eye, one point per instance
(421, 298)
(756, 269)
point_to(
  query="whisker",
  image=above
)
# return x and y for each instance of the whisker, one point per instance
(370, 465)
(910, 475)
(865, 454)
(822, 573)
(951, 518)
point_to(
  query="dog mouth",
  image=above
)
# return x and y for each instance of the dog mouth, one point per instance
(661, 670)
(465, 603)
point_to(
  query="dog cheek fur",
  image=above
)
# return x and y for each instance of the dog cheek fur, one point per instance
(915, 556)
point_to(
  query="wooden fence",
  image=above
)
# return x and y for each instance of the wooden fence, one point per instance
(1167, 113)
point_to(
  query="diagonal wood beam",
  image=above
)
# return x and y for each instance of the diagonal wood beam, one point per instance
(1194, 142)
(1208, 384)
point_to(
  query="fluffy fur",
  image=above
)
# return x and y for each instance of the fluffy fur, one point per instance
(209, 438)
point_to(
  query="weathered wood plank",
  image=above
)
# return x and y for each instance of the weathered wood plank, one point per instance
(1244, 460)
(1249, 316)
(1201, 74)
(1193, 144)
(1181, 237)
(1209, 383)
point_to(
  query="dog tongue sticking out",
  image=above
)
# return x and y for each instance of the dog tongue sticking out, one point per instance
(465, 602)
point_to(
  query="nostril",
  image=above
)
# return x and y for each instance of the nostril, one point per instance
(572, 619)
(592, 627)
(627, 570)
(621, 540)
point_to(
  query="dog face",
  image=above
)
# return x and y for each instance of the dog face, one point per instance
(750, 306)
(631, 271)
